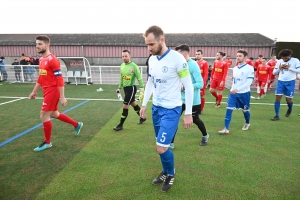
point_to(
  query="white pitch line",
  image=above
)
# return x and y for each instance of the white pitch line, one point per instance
(11, 101)
(84, 99)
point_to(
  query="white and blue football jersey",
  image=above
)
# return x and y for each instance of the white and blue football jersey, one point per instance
(287, 74)
(240, 76)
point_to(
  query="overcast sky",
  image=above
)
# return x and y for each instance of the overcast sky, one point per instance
(272, 18)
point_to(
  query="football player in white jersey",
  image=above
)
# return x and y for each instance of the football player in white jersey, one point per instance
(287, 68)
(168, 70)
(239, 97)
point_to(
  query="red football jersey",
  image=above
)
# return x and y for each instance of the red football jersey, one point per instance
(249, 62)
(272, 64)
(203, 65)
(50, 72)
(257, 63)
(263, 72)
(219, 71)
(229, 62)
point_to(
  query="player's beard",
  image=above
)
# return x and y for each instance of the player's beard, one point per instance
(126, 61)
(158, 51)
(41, 51)
(240, 61)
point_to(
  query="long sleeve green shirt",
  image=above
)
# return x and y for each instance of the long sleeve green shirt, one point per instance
(128, 73)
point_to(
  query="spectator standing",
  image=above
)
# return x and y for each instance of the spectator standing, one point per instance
(2, 69)
(17, 69)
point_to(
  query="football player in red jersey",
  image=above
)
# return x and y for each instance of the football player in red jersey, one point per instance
(249, 61)
(51, 81)
(218, 78)
(256, 64)
(228, 61)
(203, 64)
(272, 64)
(262, 76)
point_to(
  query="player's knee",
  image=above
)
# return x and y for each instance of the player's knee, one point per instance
(44, 116)
(161, 149)
(133, 104)
(136, 108)
(54, 114)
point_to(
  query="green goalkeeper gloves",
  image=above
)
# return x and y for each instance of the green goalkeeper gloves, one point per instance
(141, 96)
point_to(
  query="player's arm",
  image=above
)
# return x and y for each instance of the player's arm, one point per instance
(270, 73)
(196, 74)
(121, 79)
(256, 74)
(212, 72)
(296, 69)
(55, 65)
(189, 97)
(277, 69)
(225, 70)
(186, 80)
(205, 72)
(32, 95)
(139, 77)
(147, 94)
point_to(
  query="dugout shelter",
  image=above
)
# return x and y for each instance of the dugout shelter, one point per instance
(76, 70)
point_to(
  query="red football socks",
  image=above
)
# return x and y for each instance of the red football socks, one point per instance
(67, 119)
(47, 131)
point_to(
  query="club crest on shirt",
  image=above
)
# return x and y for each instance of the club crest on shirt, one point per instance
(164, 69)
(131, 70)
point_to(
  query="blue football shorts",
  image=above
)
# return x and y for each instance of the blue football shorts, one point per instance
(165, 122)
(239, 101)
(286, 88)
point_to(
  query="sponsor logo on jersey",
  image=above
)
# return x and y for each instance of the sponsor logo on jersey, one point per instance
(160, 81)
(43, 72)
(127, 78)
(218, 70)
(262, 72)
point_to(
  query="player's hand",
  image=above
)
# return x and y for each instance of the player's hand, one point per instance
(187, 121)
(142, 112)
(234, 91)
(287, 66)
(222, 84)
(32, 95)
(281, 66)
(141, 96)
(63, 101)
(118, 91)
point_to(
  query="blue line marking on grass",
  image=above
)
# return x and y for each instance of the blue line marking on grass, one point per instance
(36, 126)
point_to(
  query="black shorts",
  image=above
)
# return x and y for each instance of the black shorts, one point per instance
(195, 110)
(130, 92)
